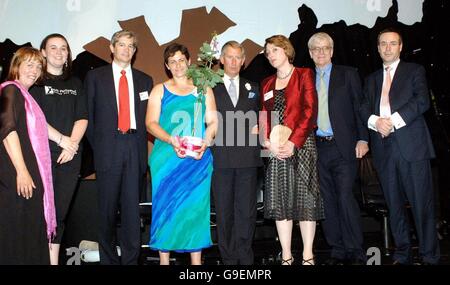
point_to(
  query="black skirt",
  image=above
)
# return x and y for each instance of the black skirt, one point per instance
(292, 185)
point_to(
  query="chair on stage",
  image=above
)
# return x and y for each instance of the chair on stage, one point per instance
(372, 199)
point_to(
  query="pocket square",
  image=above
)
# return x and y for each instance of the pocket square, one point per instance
(251, 95)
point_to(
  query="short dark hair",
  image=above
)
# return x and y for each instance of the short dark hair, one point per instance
(172, 49)
(390, 30)
(67, 68)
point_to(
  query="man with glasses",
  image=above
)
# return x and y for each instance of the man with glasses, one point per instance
(341, 138)
(395, 98)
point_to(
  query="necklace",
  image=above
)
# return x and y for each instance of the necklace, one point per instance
(285, 76)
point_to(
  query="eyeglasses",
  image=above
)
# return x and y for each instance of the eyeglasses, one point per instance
(325, 49)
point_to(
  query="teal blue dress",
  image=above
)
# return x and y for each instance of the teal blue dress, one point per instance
(180, 187)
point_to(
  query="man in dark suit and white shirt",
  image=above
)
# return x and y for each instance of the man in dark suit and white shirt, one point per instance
(117, 101)
(341, 138)
(395, 99)
(236, 156)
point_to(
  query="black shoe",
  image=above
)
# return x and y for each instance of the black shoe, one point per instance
(333, 261)
(427, 263)
(398, 262)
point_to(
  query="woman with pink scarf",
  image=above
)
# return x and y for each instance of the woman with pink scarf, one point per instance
(27, 211)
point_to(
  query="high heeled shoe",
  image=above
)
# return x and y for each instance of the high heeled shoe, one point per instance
(310, 261)
(288, 261)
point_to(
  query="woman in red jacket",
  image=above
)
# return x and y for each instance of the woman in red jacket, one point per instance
(292, 190)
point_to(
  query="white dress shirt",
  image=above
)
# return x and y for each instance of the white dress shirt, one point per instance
(227, 82)
(396, 119)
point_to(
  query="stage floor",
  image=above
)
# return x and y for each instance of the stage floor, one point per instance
(267, 252)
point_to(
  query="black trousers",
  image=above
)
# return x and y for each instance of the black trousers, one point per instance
(118, 190)
(234, 192)
(403, 181)
(342, 224)
(65, 181)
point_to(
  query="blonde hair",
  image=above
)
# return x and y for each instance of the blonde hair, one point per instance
(22, 55)
(320, 36)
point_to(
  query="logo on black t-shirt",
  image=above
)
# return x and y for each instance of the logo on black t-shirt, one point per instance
(53, 91)
(48, 90)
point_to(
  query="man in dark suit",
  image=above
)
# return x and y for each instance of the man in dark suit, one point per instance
(236, 156)
(117, 101)
(341, 138)
(395, 99)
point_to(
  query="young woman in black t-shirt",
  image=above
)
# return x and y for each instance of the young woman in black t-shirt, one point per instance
(60, 95)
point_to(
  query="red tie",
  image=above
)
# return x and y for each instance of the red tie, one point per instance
(124, 103)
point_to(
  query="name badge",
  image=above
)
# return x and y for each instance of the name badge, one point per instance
(143, 95)
(268, 95)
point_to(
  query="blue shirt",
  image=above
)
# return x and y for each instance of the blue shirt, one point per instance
(326, 76)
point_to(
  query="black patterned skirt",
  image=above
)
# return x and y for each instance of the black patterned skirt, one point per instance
(292, 185)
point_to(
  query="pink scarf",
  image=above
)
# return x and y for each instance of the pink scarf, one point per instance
(37, 130)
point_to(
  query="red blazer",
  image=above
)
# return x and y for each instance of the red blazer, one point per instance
(301, 105)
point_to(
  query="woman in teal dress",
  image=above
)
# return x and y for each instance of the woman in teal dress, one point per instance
(180, 183)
